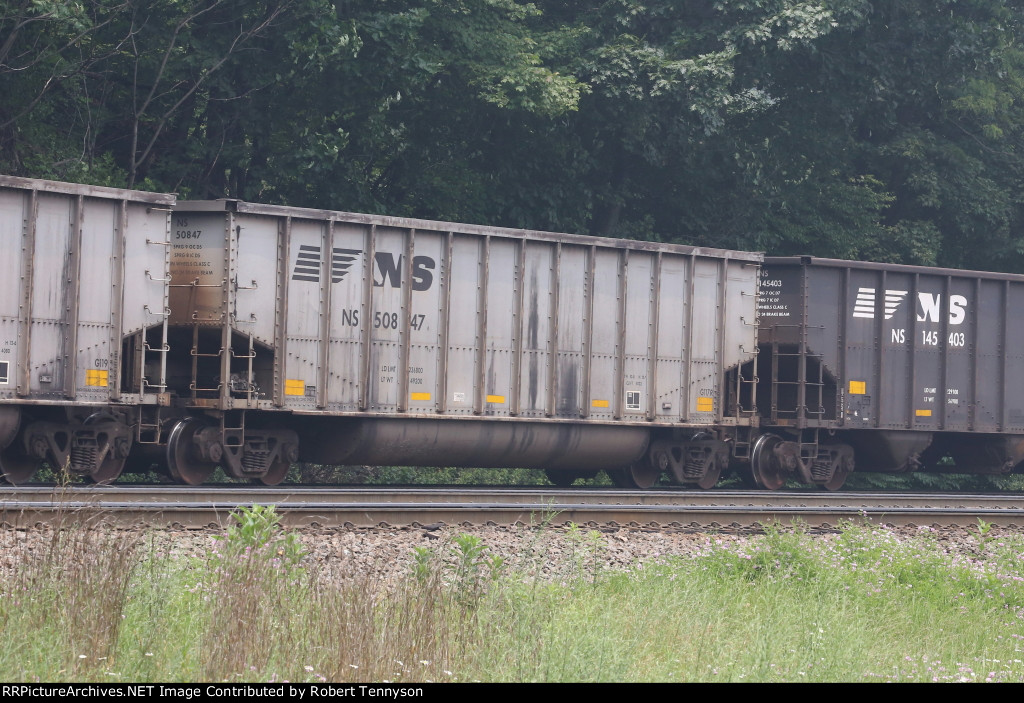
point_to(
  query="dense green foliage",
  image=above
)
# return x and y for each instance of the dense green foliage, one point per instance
(853, 128)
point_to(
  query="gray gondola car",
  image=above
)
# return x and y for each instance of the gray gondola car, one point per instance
(885, 367)
(355, 339)
(83, 310)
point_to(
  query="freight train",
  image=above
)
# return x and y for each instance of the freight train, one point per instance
(138, 329)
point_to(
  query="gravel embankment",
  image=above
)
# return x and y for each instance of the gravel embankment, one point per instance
(388, 553)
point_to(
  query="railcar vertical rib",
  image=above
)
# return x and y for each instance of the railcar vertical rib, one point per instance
(445, 331)
(83, 311)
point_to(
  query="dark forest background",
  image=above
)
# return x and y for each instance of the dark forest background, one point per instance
(871, 129)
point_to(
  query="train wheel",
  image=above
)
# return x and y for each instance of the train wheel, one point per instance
(763, 465)
(182, 460)
(744, 473)
(710, 477)
(275, 474)
(842, 465)
(16, 466)
(714, 469)
(837, 480)
(639, 474)
(108, 470)
(117, 454)
(10, 422)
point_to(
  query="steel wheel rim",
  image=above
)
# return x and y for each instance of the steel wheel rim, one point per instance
(710, 477)
(275, 474)
(108, 470)
(761, 462)
(181, 459)
(837, 480)
(639, 474)
(17, 467)
(111, 467)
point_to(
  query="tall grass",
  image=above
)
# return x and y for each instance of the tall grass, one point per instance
(89, 603)
(63, 601)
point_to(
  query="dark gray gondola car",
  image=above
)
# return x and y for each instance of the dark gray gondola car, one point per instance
(883, 367)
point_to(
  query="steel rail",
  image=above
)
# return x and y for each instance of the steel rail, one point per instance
(202, 507)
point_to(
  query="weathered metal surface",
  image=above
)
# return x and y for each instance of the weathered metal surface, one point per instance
(469, 443)
(89, 191)
(908, 348)
(87, 267)
(388, 316)
(337, 315)
(910, 363)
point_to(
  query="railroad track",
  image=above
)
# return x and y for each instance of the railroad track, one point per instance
(198, 507)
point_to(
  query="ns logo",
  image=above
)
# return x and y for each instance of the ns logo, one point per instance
(930, 308)
(929, 305)
(388, 269)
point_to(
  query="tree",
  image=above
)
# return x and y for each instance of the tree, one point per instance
(850, 128)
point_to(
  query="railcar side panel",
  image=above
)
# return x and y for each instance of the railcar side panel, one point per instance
(89, 268)
(383, 316)
(988, 397)
(349, 276)
(251, 302)
(306, 307)
(465, 284)
(498, 320)
(424, 299)
(12, 223)
(669, 333)
(639, 382)
(147, 249)
(199, 268)
(539, 290)
(911, 348)
(706, 338)
(47, 296)
(603, 311)
(97, 299)
(564, 391)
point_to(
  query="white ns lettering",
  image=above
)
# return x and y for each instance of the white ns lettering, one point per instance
(930, 306)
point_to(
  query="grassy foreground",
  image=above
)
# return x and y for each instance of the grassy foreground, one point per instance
(862, 605)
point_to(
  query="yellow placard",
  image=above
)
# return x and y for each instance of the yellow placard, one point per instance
(599, 404)
(858, 387)
(96, 377)
(420, 396)
(294, 386)
(705, 405)
(495, 399)
(923, 413)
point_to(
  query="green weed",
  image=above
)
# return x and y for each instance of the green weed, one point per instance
(257, 531)
(865, 604)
